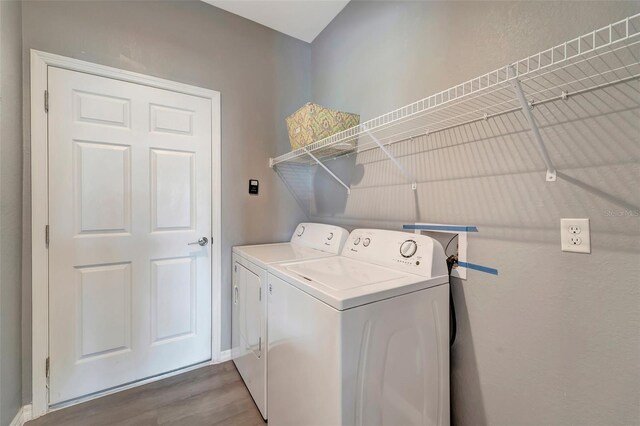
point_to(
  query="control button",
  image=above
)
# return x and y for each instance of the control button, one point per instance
(356, 241)
(408, 248)
(330, 236)
(366, 242)
(300, 231)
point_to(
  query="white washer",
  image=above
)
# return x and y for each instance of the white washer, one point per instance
(249, 307)
(361, 338)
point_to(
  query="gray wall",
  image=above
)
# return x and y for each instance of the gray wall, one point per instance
(555, 337)
(262, 76)
(10, 209)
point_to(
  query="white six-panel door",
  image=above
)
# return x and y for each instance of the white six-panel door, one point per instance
(129, 188)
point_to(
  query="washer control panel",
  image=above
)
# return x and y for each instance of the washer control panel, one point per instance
(418, 254)
(319, 236)
(408, 248)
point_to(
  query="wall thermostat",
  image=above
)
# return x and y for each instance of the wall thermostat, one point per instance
(253, 186)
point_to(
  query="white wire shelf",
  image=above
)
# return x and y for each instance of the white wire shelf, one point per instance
(601, 58)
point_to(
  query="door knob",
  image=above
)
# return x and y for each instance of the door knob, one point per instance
(202, 242)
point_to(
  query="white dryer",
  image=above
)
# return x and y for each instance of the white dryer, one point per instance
(361, 338)
(249, 306)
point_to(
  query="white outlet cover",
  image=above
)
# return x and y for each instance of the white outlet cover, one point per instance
(572, 230)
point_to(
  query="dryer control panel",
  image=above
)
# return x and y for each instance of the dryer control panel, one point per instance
(414, 253)
(319, 236)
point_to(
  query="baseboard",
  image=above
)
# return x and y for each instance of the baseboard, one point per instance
(225, 356)
(23, 416)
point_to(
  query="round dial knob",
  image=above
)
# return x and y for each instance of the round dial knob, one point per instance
(330, 236)
(300, 231)
(366, 242)
(356, 241)
(408, 248)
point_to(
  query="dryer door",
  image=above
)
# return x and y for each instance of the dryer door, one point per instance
(248, 292)
(252, 313)
(249, 329)
(235, 310)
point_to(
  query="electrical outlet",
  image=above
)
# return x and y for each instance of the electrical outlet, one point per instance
(574, 229)
(575, 235)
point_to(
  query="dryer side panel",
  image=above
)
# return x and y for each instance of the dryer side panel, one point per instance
(304, 358)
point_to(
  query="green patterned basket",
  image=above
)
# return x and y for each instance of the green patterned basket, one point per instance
(314, 122)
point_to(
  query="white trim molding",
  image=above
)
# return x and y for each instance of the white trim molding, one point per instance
(224, 356)
(40, 62)
(23, 416)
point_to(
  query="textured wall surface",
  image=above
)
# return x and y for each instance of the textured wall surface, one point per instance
(262, 76)
(10, 209)
(555, 337)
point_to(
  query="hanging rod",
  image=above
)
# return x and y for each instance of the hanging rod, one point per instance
(410, 178)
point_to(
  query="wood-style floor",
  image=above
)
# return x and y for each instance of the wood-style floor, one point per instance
(212, 395)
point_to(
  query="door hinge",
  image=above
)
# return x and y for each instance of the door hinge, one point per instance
(46, 236)
(46, 367)
(260, 293)
(260, 344)
(235, 268)
(46, 101)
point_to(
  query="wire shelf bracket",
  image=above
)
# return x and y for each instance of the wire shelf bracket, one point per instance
(326, 169)
(394, 160)
(526, 110)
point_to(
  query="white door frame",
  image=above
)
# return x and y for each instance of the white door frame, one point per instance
(40, 61)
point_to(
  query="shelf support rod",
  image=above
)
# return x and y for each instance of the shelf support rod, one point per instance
(410, 178)
(517, 87)
(326, 169)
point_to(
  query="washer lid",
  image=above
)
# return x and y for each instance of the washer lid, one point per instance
(345, 283)
(264, 254)
(343, 274)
